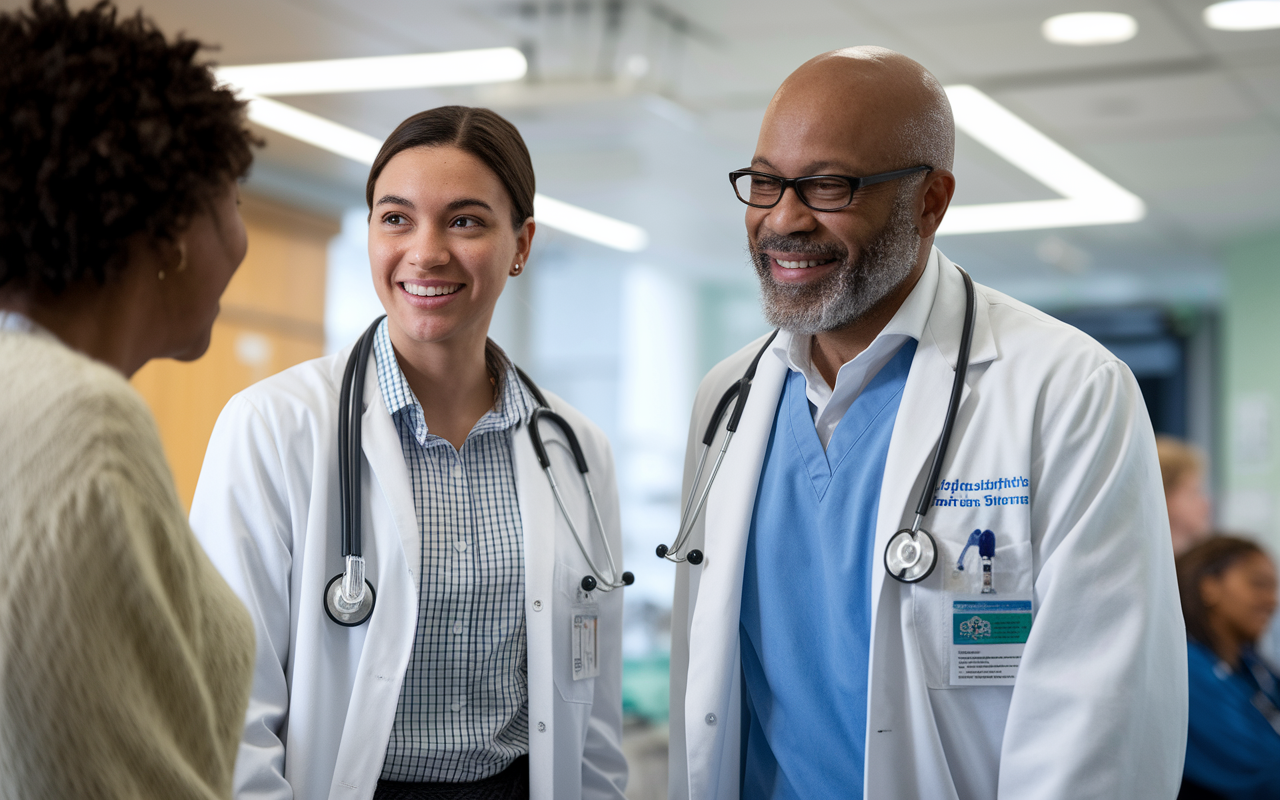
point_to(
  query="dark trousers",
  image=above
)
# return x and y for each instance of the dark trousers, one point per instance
(510, 784)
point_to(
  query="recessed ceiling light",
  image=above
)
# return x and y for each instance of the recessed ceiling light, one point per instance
(457, 68)
(1088, 28)
(1243, 15)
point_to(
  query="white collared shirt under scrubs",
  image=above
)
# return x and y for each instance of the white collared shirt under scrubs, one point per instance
(463, 709)
(814, 524)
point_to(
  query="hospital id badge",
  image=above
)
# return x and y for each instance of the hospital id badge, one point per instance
(585, 641)
(988, 634)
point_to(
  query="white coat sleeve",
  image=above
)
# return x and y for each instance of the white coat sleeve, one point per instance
(240, 514)
(604, 766)
(1099, 709)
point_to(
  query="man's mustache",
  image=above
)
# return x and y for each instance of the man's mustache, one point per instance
(798, 244)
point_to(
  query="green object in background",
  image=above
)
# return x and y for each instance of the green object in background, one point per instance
(646, 686)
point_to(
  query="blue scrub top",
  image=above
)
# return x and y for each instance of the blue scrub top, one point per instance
(806, 594)
(1231, 748)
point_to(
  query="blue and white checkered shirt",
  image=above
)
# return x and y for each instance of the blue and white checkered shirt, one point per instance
(463, 713)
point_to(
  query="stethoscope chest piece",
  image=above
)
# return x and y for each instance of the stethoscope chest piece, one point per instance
(911, 556)
(348, 614)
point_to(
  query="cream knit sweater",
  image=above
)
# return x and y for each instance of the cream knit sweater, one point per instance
(125, 659)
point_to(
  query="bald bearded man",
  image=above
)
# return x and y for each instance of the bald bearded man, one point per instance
(1030, 647)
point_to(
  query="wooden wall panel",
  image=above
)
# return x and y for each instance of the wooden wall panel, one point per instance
(272, 318)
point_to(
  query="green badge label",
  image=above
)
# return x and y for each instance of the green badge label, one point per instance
(990, 622)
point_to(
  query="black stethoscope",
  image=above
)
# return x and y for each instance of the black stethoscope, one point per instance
(912, 552)
(349, 597)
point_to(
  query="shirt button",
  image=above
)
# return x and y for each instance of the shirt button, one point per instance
(460, 546)
(455, 706)
(456, 471)
(462, 702)
(457, 627)
(542, 727)
(537, 606)
(711, 719)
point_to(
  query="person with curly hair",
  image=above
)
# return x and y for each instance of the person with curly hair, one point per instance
(125, 658)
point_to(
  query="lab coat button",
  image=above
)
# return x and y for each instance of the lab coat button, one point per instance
(537, 606)
(542, 727)
(711, 719)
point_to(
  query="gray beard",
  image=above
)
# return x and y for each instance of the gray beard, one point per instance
(849, 291)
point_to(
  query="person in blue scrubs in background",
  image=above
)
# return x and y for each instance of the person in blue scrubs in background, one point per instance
(1228, 589)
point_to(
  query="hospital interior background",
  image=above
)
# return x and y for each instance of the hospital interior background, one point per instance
(1130, 186)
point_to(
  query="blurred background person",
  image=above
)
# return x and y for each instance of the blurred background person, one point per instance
(1228, 591)
(125, 659)
(1190, 513)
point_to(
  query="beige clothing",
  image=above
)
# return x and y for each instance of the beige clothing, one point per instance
(125, 659)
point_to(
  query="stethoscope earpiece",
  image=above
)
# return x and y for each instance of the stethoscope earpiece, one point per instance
(597, 579)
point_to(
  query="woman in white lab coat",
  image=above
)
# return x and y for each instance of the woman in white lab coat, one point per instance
(468, 659)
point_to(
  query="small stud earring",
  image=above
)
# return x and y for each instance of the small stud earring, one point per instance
(160, 274)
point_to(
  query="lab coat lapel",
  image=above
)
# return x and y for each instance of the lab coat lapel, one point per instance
(924, 404)
(911, 452)
(713, 640)
(537, 509)
(391, 543)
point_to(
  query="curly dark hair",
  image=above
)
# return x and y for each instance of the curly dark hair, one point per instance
(109, 131)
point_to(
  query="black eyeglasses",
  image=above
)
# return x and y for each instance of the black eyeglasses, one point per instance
(819, 192)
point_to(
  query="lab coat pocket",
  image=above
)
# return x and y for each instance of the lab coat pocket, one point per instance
(567, 636)
(932, 599)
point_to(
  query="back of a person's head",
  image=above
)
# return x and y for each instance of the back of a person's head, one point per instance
(110, 131)
(1177, 460)
(1208, 559)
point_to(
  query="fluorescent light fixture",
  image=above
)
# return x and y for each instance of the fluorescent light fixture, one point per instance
(363, 148)
(1243, 15)
(314, 130)
(589, 225)
(459, 68)
(1088, 28)
(1088, 196)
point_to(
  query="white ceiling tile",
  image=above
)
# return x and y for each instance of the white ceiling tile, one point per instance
(1144, 108)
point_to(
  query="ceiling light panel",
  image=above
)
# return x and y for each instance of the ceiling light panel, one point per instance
(1243, 15)
(1088, 196)
(458, 68)
(1089, 28)
(363, 148)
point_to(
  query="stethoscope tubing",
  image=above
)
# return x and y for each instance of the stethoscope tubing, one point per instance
(741, 389)
(689, 514)
(350, 454)
(349, 598)
(598, 578)
(953, 404)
